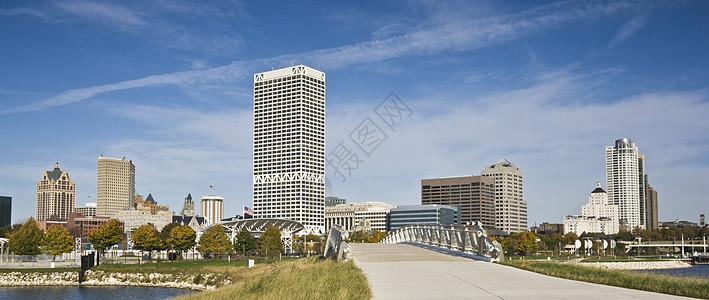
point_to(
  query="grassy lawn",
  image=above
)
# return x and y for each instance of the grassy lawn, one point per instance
(690, 287)
(309, 278)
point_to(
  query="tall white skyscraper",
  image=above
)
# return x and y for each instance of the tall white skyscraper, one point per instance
(115, 185)
(289, 146)
(510, 207)
(625, 177)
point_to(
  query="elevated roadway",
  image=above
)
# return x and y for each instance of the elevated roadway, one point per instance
(401, 271)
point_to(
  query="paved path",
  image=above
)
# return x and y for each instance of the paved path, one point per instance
(399, 271)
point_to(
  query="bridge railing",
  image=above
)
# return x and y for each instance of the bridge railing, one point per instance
(461, 239)
(335, 246)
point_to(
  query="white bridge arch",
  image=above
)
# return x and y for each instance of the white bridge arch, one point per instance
(257, 226)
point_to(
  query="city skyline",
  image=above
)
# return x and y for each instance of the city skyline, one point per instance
(547, 85)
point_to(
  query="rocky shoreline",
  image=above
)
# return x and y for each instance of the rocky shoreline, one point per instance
(200, 282)
(640, 265)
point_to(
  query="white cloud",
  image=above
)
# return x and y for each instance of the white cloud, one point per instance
(104, 13)
(455, 36)
(552, 140)
(628, 29)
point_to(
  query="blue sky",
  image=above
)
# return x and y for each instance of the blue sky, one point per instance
(546, 85)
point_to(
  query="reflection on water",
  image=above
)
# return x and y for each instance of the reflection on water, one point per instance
(701, 271)
(89, 292)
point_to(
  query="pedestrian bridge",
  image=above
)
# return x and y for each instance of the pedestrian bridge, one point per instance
(464, 240)
(406, 271)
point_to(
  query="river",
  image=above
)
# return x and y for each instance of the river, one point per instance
(89, 292)
(701, 271)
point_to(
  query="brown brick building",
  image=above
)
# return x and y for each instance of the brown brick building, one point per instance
(474, 194)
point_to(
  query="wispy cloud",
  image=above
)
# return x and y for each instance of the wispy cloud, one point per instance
(168, 24)
(457, 36)
(537, 128)
(228, 72)
(104, 13)
(628, 29)
(22, 11)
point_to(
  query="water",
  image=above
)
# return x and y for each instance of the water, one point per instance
(89, 292)
(701, 271)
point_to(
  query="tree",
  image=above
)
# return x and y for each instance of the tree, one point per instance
(377, 236)
(359, 237)
(27, 240)
(270, 243)
(527, 243)
(311, 237)
(107, 235)
(57, 241)
(509, 244)
(182, 238)
(214, 240)
(145, 238)
(165, 234)
(245, 242)
(9, 229)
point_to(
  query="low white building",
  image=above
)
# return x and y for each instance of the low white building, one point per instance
(88, 210)
(141, 215)
(596, 216)
(358, 216)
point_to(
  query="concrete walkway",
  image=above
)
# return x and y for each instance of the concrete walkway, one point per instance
(399, 271)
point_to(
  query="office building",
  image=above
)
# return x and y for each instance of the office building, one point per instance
(5, 211)
(332, 201)
(433, 214)
(596, 216)
(213, 208)
(142, 213)
(79, 226)
(149, 202)
(87, 210)
(56, 195)
(289, 146)
(475, 195)
(548, 228)
(625, 182)
(350, 215)
(115, 186)
(652, 222)
(510, 207)
(643, 192)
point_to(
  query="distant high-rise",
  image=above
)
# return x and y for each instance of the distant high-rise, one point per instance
(510, 207)
(115, 187)
(213, 208)
(624, 176)
(474, 195)
(56, 195)
(289, 146)
(5, 211)
(597, 216)
(651, 208)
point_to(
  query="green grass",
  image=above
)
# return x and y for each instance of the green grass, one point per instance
(686, 286)
(310, 278)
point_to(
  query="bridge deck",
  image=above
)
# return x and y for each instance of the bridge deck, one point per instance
(399, 271)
